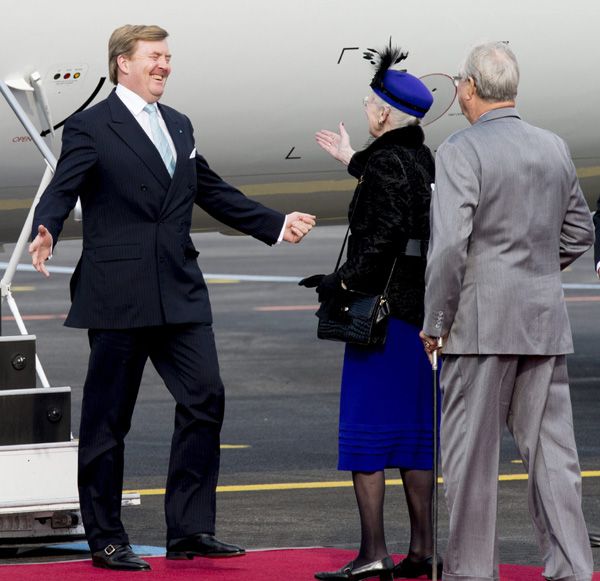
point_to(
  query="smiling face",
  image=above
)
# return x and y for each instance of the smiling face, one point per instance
(145, 72)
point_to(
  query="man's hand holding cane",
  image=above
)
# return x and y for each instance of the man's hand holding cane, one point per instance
(432, 345)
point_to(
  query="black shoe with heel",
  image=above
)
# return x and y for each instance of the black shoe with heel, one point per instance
(409, 569)
(382, 569)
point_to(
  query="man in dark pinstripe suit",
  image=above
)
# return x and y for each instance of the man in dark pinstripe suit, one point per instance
(139, 291)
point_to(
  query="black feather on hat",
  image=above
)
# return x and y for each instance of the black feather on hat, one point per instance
(383, 60)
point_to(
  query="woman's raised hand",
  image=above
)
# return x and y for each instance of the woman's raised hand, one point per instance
(336, 144)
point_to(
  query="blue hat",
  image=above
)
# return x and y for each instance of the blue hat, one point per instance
(398, 88)
(404, 91)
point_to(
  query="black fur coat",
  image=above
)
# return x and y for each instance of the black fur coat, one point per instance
(391, 204)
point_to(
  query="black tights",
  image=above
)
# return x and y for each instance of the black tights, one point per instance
(418, 489)
(369, 488)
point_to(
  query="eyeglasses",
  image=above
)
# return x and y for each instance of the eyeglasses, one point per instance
(366, 101)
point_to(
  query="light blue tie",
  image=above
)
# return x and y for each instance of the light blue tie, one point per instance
(160, 139)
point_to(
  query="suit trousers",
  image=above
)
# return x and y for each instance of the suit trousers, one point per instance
(185, 357)
(530, 395)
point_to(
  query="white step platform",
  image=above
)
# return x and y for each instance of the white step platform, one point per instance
(38, 494)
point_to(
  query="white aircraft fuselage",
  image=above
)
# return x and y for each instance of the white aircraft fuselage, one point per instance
(257, 79)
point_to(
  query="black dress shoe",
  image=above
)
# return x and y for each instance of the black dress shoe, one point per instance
(119, 558)
(201, 545)
(382, 569)
(409, 569)
(595, 539)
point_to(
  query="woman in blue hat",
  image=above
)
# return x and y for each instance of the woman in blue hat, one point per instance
(386, 405)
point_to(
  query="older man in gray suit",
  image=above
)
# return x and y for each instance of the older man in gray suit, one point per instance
(507, 215)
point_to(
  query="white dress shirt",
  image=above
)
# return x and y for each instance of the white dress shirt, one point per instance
(136, 105)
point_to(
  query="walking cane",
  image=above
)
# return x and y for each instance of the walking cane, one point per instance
(434, 369)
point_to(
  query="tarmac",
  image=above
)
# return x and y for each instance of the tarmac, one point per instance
(279, 486)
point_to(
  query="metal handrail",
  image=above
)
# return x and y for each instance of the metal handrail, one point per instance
(28, 125)
(5, 283)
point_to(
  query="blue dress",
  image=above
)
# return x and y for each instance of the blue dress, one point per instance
(386, 405)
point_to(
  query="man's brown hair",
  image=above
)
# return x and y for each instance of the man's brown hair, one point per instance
(124, 39)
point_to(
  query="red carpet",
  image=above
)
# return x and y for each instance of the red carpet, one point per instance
(285, 564)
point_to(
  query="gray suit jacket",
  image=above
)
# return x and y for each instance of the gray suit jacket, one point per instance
(507, 215)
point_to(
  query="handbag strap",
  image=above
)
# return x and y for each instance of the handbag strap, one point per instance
(389, 280)
(337, 264)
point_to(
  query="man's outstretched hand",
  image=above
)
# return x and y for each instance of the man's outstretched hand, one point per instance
(41, 249)
(297, 226)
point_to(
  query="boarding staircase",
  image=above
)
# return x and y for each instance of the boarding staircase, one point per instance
(39, 501)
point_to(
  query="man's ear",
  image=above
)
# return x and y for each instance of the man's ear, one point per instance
(123, 63)
(471, 88)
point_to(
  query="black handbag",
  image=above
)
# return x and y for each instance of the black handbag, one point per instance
(352, 316)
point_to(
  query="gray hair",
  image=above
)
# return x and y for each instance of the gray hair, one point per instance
(397, 118)
(495, 71)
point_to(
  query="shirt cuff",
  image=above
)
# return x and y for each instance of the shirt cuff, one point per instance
(280, 238)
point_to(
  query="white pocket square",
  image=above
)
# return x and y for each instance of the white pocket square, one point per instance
(193, 154)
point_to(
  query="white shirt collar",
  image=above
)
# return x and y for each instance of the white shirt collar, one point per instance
(131, 100)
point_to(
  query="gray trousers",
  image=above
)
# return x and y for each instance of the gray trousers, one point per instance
(529, 394)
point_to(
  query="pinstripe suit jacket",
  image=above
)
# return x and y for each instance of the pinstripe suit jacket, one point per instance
(507, 215)
(138, 266)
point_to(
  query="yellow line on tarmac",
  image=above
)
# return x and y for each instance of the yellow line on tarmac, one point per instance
(588, 172)
(329, 484)
(16, 204)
